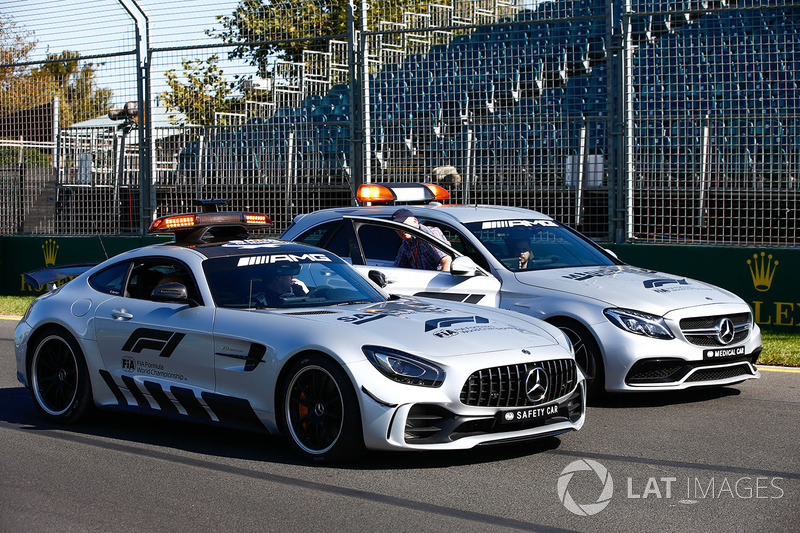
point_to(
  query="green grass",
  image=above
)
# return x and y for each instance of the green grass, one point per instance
(782, 349)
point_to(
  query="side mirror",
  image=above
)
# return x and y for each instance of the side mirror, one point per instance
(172, 292)
(377, 277)
(463, 266)
(611, 253)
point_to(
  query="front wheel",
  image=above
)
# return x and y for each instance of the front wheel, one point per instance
(59, 378)
(320, 413)
(587, 356)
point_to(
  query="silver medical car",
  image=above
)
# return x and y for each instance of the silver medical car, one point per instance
(632, 329)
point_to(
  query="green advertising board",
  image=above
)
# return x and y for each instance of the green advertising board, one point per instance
(23, 254)
(763, 277)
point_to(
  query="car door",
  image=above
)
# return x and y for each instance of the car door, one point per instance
(157, 354)
(376, 247)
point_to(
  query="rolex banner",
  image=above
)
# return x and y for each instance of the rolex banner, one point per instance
(23, 254)
(764, 277)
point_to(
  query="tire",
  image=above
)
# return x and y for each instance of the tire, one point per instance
(59, 378)
(587, 355)
(319, 411)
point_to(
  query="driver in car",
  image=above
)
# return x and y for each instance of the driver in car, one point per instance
(414, 253)
(280, 284)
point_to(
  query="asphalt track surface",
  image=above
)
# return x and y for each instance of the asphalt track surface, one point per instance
(725, 459)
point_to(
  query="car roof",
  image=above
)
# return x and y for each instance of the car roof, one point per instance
(459, 212)
(244, 247)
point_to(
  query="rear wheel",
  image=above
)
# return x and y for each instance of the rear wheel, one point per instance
(587, 355)
(59, 378)
(320, 413)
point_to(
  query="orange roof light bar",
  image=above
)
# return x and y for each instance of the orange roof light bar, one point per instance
(257, 219)
(371, 192)
(188, 221)
(172, 222)
(439, 192)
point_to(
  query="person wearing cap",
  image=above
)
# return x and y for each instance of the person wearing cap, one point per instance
(279, 285)
(416, 253)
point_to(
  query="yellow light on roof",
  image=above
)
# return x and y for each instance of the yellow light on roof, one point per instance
(173, 222)
(374, 193)
(439, 193)
(256, 218)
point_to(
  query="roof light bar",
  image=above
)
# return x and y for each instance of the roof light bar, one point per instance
(401, 192)
(189, 221)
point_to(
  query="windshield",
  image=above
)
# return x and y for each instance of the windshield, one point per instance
(286, 281)
(522, 245)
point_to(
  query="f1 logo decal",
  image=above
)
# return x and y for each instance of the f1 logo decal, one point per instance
(447, 322)
(161, 341)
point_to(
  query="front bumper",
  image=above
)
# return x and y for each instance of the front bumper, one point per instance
(438, 426)
(637, 363)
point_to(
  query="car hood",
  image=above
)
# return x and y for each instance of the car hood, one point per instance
(630, 287)
(413, 325)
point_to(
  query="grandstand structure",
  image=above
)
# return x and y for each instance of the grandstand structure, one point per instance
(632, 120)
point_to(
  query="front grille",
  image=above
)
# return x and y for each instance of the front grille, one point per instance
(714, 374)
(504, 386)
(701, 331)
(433, 424)
(656, 371)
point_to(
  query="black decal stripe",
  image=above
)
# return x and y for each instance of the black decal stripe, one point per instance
(147, 344)
(114, 387)
(232, 411)
(141, 401)
(144, 333)
(189, 402)
(474, 298)
(172, 344)
(164, 403)
(450, 296)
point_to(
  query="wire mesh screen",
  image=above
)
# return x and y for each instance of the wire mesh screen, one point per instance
(638, 120)
(712, 122)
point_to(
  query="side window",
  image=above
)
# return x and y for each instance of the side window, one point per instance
(380, 244)
(111, 279)
(329, 236)
(460, 243)
(148, 273)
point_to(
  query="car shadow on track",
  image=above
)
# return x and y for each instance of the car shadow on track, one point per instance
(125, 431)
(633, 400)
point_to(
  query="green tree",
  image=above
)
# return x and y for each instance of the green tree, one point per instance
(20, 87)
(261, 30)
(81, 98)
(201, 92)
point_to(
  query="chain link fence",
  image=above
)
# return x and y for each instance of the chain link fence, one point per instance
(634, 121)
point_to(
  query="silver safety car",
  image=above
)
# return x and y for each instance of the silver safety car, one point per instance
(632, 329)
(288, 338)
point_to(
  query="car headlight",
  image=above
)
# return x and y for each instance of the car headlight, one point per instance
(403, 367)
(639, 323)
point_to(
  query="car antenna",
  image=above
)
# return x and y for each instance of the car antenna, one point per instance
(103, 246)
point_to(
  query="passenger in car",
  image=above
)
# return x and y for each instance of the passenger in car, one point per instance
(414, 253)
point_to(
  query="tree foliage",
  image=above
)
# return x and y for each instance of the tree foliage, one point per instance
(200, 93)
(20, 87)
(264, 29)
(63, 75)
(81, 98)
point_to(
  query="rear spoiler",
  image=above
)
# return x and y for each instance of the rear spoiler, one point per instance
(51, 275)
